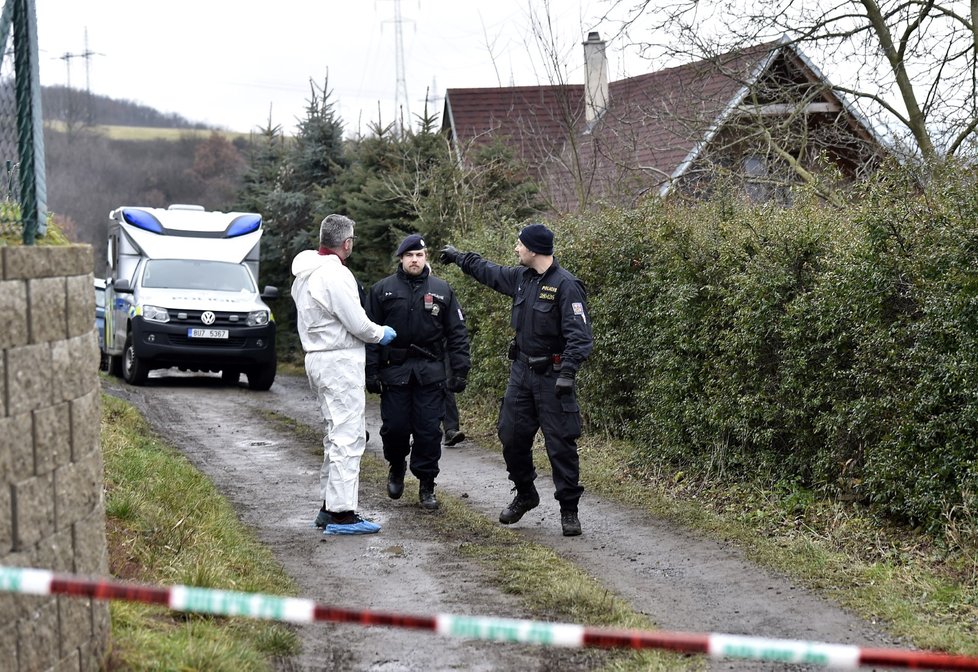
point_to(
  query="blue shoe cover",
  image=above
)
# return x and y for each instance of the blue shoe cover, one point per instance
(359, 527)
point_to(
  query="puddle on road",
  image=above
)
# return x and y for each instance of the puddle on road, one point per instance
(259, 448)
(256, 443)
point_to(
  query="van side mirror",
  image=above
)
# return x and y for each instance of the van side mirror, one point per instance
(122, 286)
(270, 292)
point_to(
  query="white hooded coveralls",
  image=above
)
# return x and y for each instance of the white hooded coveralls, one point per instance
(333, 328)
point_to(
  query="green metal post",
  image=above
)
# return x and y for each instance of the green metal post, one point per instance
(30, 133)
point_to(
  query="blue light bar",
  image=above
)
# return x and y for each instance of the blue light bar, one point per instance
(142, 220)
(242, 225)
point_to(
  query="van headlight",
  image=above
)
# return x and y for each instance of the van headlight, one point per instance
(154, 314)
(257, 318)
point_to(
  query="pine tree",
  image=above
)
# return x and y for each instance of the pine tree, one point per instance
(286, 182)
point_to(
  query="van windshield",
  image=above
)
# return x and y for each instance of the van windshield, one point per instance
(197, 274)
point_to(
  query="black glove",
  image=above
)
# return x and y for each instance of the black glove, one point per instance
(456, 384)
(564, 385)
(373, 385)
(449, 255)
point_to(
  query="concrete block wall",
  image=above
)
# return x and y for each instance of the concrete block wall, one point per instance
(52, 512)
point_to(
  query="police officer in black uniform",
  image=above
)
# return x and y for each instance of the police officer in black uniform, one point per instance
(410, 372)
(553, 339)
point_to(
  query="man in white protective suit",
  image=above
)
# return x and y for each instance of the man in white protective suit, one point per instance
(334, 329)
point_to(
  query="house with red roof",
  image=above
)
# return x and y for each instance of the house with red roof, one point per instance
(762, 118)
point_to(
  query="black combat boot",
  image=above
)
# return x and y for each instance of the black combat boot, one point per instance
(395, 480)
(426, 495)
(454, 437)
(526, 498)
(570, 523)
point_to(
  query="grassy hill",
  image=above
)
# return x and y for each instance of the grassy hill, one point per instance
(143, 133)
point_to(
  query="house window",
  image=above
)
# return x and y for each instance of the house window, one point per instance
(756, 173)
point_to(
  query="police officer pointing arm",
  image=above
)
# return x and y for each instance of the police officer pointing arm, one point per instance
(552, 341)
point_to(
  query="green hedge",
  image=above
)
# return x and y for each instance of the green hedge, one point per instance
(831, 349)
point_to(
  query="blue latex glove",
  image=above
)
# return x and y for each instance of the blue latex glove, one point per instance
(389, 335)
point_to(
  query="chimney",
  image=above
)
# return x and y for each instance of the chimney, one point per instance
(595, 78)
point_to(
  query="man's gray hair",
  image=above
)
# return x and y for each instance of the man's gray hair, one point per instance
(335, 229)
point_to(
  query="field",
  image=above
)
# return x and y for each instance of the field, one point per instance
(143, 133)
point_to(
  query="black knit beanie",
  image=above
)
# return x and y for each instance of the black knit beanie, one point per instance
(537, 238)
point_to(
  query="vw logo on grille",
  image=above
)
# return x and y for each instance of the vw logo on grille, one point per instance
(208, 317)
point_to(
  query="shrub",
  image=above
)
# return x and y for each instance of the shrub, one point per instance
(830, 348)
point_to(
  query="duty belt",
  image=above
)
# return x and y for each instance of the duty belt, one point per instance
(413, 351)
(539, 363)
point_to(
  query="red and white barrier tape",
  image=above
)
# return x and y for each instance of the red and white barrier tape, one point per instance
(297, 610)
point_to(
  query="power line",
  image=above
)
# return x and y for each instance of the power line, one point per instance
(87, 55)
(400, 86)
(400, 93)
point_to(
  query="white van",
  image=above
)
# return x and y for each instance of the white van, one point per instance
(182, 292)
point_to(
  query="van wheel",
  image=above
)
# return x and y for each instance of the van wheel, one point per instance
(115, 365)
(261, 377)
(134, 370)
(230, 376)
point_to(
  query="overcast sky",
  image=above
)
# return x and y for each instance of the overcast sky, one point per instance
(232, 63)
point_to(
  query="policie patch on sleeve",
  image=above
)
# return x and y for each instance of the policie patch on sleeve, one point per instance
(579, 310)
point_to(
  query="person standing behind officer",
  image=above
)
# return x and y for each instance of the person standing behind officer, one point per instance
(410, 372)
(333, 328)
(553, 339)
(450, 424)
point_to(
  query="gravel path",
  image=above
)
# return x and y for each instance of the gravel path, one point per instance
(682, 582)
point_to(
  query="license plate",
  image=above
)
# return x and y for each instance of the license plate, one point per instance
(207, 333)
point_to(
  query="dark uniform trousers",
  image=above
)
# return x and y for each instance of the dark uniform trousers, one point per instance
(531, 403)
(413, 410)
(450, 421)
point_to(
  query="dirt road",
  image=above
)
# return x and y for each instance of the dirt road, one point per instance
(680, 581)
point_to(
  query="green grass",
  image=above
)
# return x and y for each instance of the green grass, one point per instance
(12, 228)
(144, 133)
(920, 587)
(291, 369)
(167, 525)
(115, 132)
(549, 587)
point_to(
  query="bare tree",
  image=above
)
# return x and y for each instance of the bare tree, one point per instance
(572, 161)
(911, 65)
